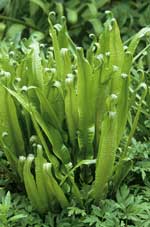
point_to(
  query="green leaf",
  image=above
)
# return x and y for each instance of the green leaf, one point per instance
(72, 15)
(17, 217)
(85, 92)
(42, 193)
(123, 100)
(42, 5)
(106, 152)
(7, 199)
(71, 108)
(9, 123)
(14, 32)
(30, 185)
(136, 39)
(58, 59)
(54, 187)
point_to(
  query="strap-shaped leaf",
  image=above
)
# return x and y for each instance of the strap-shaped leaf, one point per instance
(56, 100)
(112, 57)
(67, 64)
(20, 166)
(123, 99)
(118, 176)
(9, 123)
(53, 33)
(102, 94)
(71, 108)
(49, 188)
(63, 34)
(83, 162)
(29, 108)
(86, 104)
(50, 156)
(116, 57)
(5, 63)
(48, 110)
(106, 152)
(54, 188)
(136, 118)
(63, 37)
(59, 148)
(40, 183)
(35, 67)
(112, 49)
(126, 167)
(11, 157)
(104, 42)
(136, 39)
(30, 185)
(43, 5)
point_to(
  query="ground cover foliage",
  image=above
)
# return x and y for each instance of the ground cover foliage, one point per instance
(80, 116)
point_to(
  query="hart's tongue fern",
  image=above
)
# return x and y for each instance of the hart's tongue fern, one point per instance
(77, 105)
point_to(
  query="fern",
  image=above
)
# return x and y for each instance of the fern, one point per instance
(77, 104)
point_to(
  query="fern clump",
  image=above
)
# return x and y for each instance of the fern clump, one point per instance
(64, 112)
